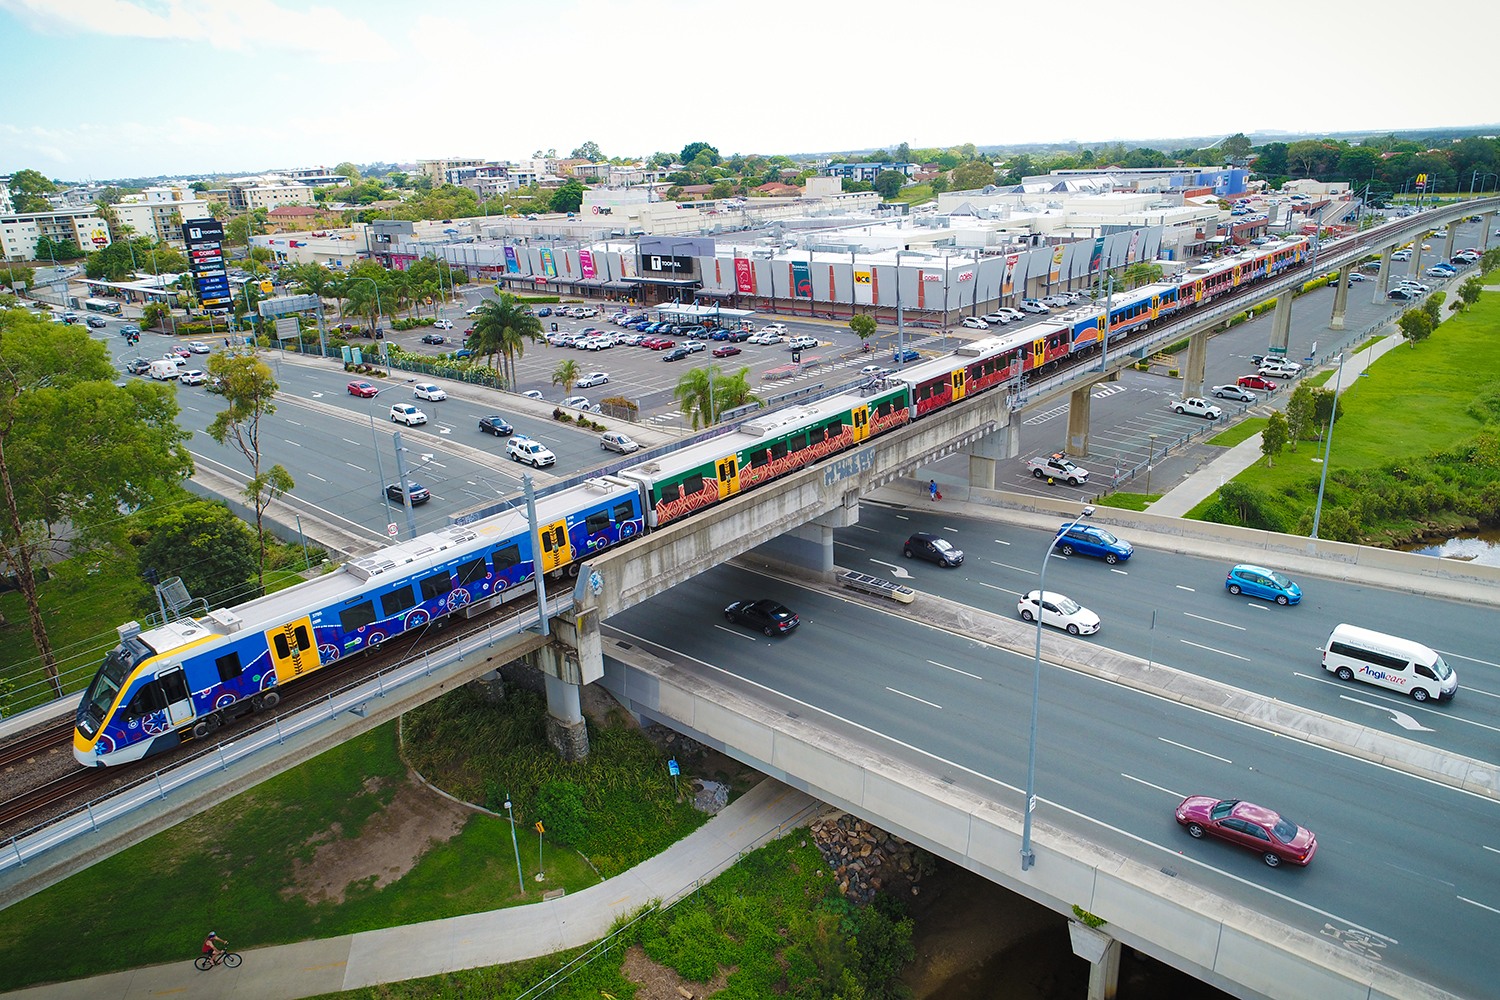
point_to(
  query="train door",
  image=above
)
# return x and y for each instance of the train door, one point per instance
(728, 469)
(174, 687)
(959, 381)
(293, 651)
(1155, 308)
(859, 423)
(557, 550)
(1038, 354)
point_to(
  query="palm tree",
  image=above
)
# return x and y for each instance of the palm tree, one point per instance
(708, 392)
(502, 326)
(566, 375)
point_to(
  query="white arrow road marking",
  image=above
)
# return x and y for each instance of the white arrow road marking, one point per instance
(899, 572)
(1398, 717)
(317, 395)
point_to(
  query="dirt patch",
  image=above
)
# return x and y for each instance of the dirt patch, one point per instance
(658, 982)
(386, 849)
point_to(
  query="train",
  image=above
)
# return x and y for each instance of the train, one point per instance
(182, 680)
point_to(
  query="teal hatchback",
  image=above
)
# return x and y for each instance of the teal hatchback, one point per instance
(1267, 584)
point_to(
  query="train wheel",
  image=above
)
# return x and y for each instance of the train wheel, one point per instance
(270, 700)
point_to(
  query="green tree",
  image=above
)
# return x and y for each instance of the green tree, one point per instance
(205, 544)
(1433, 307)
(503, 326)
(249, 394)
(567, 198)
(566, 374)
(1416, 325)
(349, 170)
(889, 183)
(693, 150)
(589, 151)
(707, 392)
(1142, 272)
(1299, 413)
(1237, 146)
(154, 315)
(973, 175)
(1469, 291)
(864, 326)
(1271, 161)
(722, 190)
(74, 449)
(939, 184)
(1326, 407)
(1274, 438)
(29, 190)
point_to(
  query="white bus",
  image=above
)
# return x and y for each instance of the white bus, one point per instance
(111, 306)
(1388, 661)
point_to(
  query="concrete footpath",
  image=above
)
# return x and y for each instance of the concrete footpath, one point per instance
(496, 937)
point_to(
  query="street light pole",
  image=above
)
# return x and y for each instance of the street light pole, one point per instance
(1028, 857)
(1328, 447)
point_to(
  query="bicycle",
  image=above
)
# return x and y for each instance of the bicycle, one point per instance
(206, 962)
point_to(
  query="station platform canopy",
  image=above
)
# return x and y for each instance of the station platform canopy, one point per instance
(681, 311)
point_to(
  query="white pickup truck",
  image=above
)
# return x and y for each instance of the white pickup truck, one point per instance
(1058, 466)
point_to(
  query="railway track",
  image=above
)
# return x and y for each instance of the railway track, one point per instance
(35, 742)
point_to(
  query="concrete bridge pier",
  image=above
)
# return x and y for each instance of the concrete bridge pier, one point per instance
(1281, 323)
(808, 548)
(1197, 364)
(1340, 299)
(986, 454)
(572, 659)
(1448, 245)
(1382, 277)
(1102, 952)
(1486, 224)
(1079, 401)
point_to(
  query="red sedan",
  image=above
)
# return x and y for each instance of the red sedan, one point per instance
(362, 389)
(1257, 382)
(182, 352)
(662, 344)
(1262, 830)
(727, 351)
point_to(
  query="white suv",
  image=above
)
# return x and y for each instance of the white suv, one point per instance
(801, 343)
(408, 414)
(533, 453)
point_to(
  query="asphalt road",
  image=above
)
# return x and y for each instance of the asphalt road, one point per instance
(1405, 871)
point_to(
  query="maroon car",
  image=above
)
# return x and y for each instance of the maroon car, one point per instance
(727, 351)
(362, 389)
(1262, 830)
(1256, 382)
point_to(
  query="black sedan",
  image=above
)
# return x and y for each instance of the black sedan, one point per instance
(771, 617)
(497, 425)
(419, 493)
(432, 338)
(676, 354)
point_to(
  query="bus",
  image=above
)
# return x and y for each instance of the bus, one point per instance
(110, 306)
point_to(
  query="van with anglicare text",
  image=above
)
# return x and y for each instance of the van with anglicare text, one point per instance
(1388, 661)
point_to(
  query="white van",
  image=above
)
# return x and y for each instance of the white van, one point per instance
(1355, 653)
(162, 369)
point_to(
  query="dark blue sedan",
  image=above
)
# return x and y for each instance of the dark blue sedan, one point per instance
(1088, 540)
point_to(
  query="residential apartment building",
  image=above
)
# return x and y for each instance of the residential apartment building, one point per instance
(442, 171)
(869, 171)
(272, 191)
(19, 232)
(158, 212)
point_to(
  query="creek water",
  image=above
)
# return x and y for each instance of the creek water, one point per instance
(1482, 549)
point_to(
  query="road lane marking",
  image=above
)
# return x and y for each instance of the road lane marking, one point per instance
(1215, 621)
(353, 466)
(1399, 718)
(1122, 572)
(915, 698)
(1143, 781)
(734, 632)
(1018, 569)
(295, 444)
(1211, 649)
(1405, 703)
(351, 443)
(1001, 541)
(1489, 848)
(1003, 590)
(856, 548)
(1190, 590)
(945, 666)
(1459, 656)
(1184, 746)
(1473, 902)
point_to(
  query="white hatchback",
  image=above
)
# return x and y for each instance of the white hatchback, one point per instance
(1059, 611)
(975, 323)
(428, 391)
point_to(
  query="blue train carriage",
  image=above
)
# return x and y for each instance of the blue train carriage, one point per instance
(162, 686)
(679, 483)
(1140, 307)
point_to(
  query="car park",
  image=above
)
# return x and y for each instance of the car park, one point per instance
(675, 354)
(497, 425)
(592, 379)
(533, 453)
(726, 351)
(1267, 584)
(617, 441)
(1237, 393)
(194, 376)
(197, 347)
(975, 323)
(1059, 611)
(1196, 406)
(770, 617)
(433, 338)
(933, 548)
(1058, 466)
(405, 413)
(1264, 831)
(1090, 540)
(419, 493)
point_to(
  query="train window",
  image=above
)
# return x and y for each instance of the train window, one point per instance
(229, 666)
(435, 586)
(670, 492)
(147, 700)
(597, 521)
(760, 459)
(357, 616)
(623, 512)
(397, 601)
(835, 428)
(474, 570)
(778, 450)
(173, 686)
(504, 558)
(692, 485)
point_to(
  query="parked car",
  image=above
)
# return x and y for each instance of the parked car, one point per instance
(407, 414)
(675, 354)
(592, 379)
(1196, 406)
(433, 338)
(1233, 392)
(1007, 313)
(1439, 271)
(726, 351)
(419, 493)
(1033, 306)
(1267, 584)
(617, 441)
(1059, 611)
(975, 323)
(664, 344)
(544, 311)
(442, 324)
(802, 343)
(1280, 369)
(580, 403)
(497, 425)
(1058, 466)
(694, 346)
(1272, 836)
(532, 394)
(1256, 382)
(428, 391)
(933, 548)
(533, 453)
(771, 617)
(1089, 540)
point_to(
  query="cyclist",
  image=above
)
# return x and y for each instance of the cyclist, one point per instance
(214, 946)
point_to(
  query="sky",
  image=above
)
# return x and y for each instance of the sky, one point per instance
(106, 89)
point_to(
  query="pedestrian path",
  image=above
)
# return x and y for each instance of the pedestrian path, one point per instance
(476, 940)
